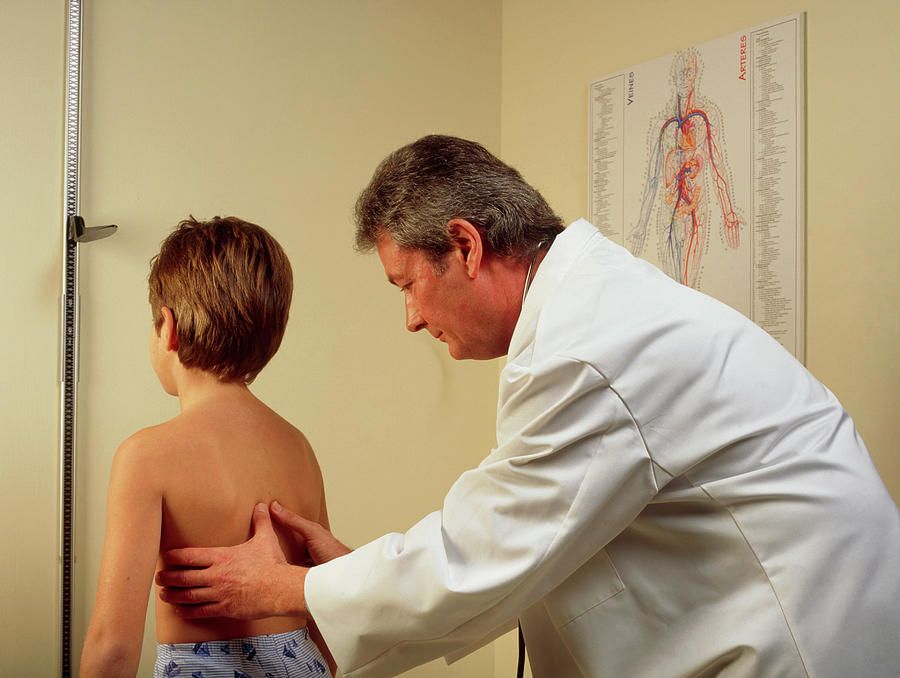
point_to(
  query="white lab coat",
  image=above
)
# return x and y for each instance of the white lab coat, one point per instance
(672, 495)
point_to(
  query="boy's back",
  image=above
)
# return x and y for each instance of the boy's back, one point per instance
(213, 463)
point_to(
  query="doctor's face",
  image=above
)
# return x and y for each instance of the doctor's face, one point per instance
(443, 304)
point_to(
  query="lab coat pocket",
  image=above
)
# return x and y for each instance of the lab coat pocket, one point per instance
(589, 586)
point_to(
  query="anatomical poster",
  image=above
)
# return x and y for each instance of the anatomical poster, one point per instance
(697, 164)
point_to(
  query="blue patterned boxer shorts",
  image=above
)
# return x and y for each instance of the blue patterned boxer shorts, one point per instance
(279, 655)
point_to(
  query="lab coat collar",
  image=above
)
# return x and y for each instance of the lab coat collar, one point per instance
(562, 253)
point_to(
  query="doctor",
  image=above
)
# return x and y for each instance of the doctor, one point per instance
(671, 493)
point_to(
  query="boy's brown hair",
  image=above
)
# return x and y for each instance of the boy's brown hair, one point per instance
(229, 285)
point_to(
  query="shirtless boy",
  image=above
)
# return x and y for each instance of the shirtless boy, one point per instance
(220, 292)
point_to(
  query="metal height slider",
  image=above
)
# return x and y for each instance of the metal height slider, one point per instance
(76, 231)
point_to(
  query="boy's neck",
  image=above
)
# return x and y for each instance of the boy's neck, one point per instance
(196, 387)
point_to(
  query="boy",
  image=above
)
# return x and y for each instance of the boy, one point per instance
(220, 292)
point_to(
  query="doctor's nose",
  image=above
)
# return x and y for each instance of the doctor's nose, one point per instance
(414, 321)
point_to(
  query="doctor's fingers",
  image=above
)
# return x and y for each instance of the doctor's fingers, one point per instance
(302, 527)
(321, 545)
(191, 610)
(189, 596)
(192, 557)
(185, 579)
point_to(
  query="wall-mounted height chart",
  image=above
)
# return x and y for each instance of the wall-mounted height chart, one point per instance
(697, 165)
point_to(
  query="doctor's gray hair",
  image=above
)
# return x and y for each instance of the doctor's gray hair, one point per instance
(417, 189)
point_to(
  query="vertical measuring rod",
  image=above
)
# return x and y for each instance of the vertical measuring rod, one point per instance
(74, 232)
(69, 329)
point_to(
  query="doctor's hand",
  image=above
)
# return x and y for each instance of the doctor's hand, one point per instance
(249, 581)
(317, 540)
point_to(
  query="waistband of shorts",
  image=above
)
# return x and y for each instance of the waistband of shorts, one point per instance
(269, 641)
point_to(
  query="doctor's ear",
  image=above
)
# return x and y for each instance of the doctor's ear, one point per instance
(467, 242)
(167, 333)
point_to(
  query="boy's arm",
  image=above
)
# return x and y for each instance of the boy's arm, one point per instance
(130, 549)
(314, 632)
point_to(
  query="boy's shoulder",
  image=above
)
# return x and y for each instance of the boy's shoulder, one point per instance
(139, 462)
(152, 442)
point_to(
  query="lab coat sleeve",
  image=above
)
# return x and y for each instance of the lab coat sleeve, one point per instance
(569, 473)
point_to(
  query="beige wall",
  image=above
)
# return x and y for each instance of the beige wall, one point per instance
(31, 81)
(551, 51)
(279, 116)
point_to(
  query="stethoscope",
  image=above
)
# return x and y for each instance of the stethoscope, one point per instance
(520, 664)
(531, 272)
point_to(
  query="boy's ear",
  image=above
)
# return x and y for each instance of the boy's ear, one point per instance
(167, 332)
(467, 241)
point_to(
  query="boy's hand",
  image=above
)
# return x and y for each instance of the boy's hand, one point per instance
(249, 581)
(318, 541)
